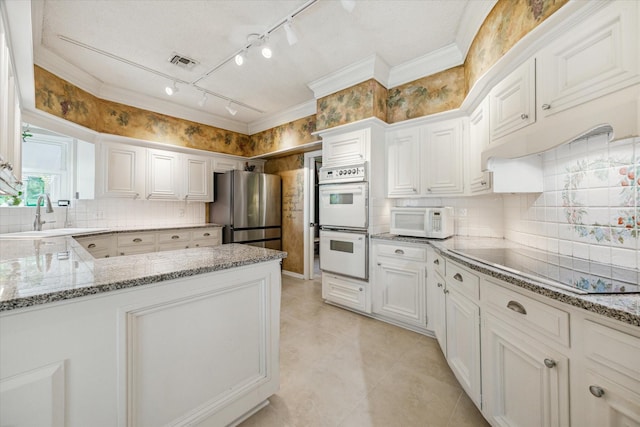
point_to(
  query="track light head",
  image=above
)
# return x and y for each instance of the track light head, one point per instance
(266, 49)
(240, 58)
(171, 90)
(230, 109)
(203, 100)
(292, 37)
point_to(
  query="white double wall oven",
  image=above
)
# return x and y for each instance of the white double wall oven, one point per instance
(344, 213)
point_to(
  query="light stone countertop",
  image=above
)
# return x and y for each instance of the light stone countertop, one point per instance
(41, 271)
(622, 307)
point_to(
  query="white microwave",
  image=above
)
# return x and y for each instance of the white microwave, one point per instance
(433, 223)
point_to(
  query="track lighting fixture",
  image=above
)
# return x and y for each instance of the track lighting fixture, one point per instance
(230, 109)
(240, 57)
(170, 90)
(292, 38)
(266, 49)
(203, 100)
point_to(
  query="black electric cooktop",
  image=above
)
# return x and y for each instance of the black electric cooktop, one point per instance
(570, 273)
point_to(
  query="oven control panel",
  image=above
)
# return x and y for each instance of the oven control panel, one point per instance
(347, 173)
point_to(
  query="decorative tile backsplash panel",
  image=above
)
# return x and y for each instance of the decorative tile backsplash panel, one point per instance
(589, 207)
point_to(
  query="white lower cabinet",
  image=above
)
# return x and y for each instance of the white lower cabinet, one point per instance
(463, 329)
(525, 382)
(346, 292)
(439, 314)
(607, 403)
(399, 277)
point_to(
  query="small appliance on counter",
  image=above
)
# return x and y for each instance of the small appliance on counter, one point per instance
(432, 223)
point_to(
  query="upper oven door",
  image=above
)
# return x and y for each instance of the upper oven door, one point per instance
(344, 205)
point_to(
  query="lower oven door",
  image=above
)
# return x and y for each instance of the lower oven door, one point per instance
(344, 252)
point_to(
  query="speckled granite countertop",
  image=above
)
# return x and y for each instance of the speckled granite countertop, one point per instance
(34, 272)
(622, 307)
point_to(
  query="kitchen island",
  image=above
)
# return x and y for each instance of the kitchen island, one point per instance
(184, 337)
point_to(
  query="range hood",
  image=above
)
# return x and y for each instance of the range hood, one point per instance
(617, 114)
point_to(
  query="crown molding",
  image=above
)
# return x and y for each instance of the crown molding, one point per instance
(425, 65)
(294, 113)
(372, 67)
(472, 19)
(55, 64)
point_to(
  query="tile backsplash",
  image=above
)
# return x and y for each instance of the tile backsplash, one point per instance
(108, 213)
(589, 206)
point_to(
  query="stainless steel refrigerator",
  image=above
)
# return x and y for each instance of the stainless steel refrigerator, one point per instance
(248, 205)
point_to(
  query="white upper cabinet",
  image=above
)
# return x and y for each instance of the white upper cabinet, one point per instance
(403, 163)
(345, 148)
(512, 101)
(598, 56)
(10, 120)
(222, 164)
(479, 180)
(442, 171)
(198, 178)
(121, 170)
(163, 175)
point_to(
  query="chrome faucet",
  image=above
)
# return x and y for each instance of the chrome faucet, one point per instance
(37, 223)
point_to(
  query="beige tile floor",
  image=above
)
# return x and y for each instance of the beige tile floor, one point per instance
(338, 368)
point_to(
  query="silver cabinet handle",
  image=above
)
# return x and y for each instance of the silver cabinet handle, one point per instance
(137, 240)
(446, 291)
(414, 189)
(379, 263)
(549, 363)
(436, 262)
(439, 285)
(524, 116)
(361, 289)
(597, 391)
(148, 196)
(175, 237)
(135, 196)
(91, 245)
(399, 251)
(517, 307)
(206, 234)
(429, 190)
(458, 277)
(483, 182)
(546, 106)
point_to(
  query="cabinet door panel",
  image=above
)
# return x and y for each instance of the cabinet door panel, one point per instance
(403, 163)
(122, 170)
(616, 406)
(479, 180)
(512, 102)
(463, 342)
(439, 314)
(162, 175)
(597, 57)
(346, 148)
(444, 172)
(198, 178)
(520, 389)
(400, 291)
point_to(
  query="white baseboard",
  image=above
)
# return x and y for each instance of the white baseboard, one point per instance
(292, 274)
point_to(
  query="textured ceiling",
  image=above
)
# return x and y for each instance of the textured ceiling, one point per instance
(148, 32)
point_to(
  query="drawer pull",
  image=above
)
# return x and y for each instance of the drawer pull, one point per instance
(206, 234)
(546, 106)
(446, 291)
(597, 391)
(106, 256)
(137, 240)
(517, 307)
(91, 245)
(549, 363)
(458, 277)
(524, 116)
(361, 289)
(174, 237)
(439, 285)
(399, 251)
(436, 262)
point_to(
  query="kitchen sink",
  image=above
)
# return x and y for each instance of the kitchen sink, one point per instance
(56, 232)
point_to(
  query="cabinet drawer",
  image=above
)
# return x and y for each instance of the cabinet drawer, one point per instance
(612, 349)
(348, 293)
(138, 249)
(205, 233)
(171, 246)
(439, 264)
(175, 236)
(538, 317)
(402, 252)
(95, 244)
(136, 239)
(463, 281)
